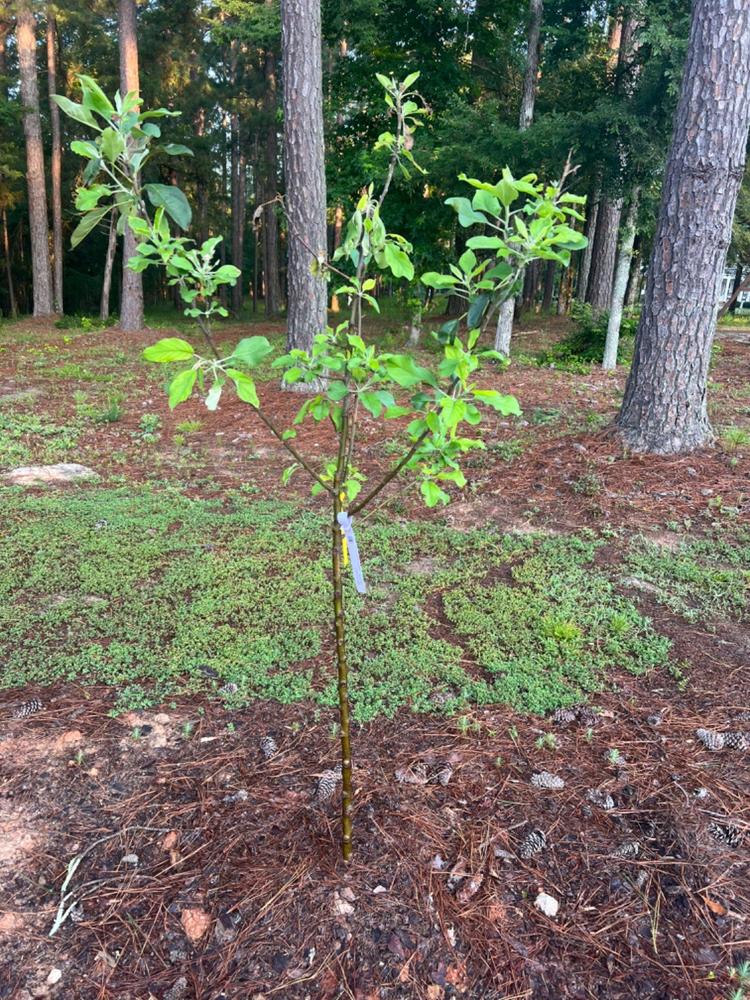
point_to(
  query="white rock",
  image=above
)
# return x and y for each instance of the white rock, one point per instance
(130, 859)
(548, 905)
(378, 890)
(36, 475)
(341, 908)
(54, 977)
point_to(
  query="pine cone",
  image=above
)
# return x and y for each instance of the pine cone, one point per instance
(564, 716)
(326, 786)
(534, 843)
(736, 741)
(229, 688)
(268, 747)
(725, 833)
(546, 780)
(711, 740)
(601, 799)
(28, 708)
(445, 774)
(630, 849)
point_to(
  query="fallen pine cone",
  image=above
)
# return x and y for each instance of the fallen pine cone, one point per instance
(630, 849)
(326, 786)
(602, 799)
(544, 779)
(416, 775)
(725, 833)
(534, 843)
(28, 708)
(268, 747)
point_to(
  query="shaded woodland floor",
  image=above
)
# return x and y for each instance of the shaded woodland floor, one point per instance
(211, 868)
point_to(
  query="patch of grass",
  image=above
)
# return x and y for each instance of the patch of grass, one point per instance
(701, 580)
(26, 438)
(551, 634)
(507, 450)
(734, 439)
(142, 587)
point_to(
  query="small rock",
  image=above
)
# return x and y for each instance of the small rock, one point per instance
(69, 739)
(348, 894)
(177, 990)
(162, 719)
(38, 475)
(195, 922)
(341, 907)
(54, 976)
(130, 859)
(240, 796)
(547, 904)
(170, 841)
(701, 793)
(379, 890)
(504, 855)
(438, 864)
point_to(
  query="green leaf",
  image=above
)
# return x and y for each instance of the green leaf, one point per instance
(112, 144)
(483, 201)
(404, 370)
(87, 149)
(398, 261)
(467, 261)
(467, 215)
(507, 405)
(410, 80)
(151, 130)
(433, 494)
(94, 97)
(371, 403)
(75, 111)
(173, 201)
(245, 387)
(288, 472)
(181, 386)
(177, 149)
(88, 197)
(434, 280)
(87, 223)
(251, 351)
(227, 274)
(169, 349)
(485, 242)
(337, 391)
(476, 312)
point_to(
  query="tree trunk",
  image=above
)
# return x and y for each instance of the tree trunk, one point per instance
(732, 300)
(13, 308)
(504, 329)
(238, 200)
(665, 410)
(55, 164)
(109, 261)
(32, 128)
(304, 168)
(270, 191)
(735, 294)
(565, 292)
(633, 294)
(549, 285)
(588, 252)
(620, 285)
(604, 254)
(131, 299)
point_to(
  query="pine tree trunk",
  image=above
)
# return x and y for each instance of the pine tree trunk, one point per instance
(55, 164)
(584, 269)
(270, 191)
(504, 329)
(32, 128)
(736, 284)
(131, 299)
(633, 294)
(238, 200)
(12, 305)
(550, 274)
(604, 254)
(109, 262)
(304, 168)
(620, 284)
(665, 409)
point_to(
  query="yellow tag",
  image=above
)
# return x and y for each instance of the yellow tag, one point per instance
(344, 543)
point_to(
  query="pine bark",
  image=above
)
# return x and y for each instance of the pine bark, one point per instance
(550, 274)
(272, 278)
(238, 201)
(304, 168)
(604, 254)
(620, 283)
(504, 329)
(12, 305)
(587, 254)
(55, 164)
(665, 408)
(131, 300)
(32, 128)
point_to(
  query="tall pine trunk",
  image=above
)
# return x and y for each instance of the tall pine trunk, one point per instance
(270, 191)
(620, 284)
(12, 305)
(665, 410)
(55, 164)
(131, 300)
(504, 330)
(584, 269)
(32, 128)
(238, 200)
(604, 254)
(304, 168)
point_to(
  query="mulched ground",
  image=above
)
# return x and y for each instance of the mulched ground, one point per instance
(211, 871)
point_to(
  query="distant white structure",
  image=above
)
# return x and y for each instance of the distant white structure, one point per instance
(727, 284)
